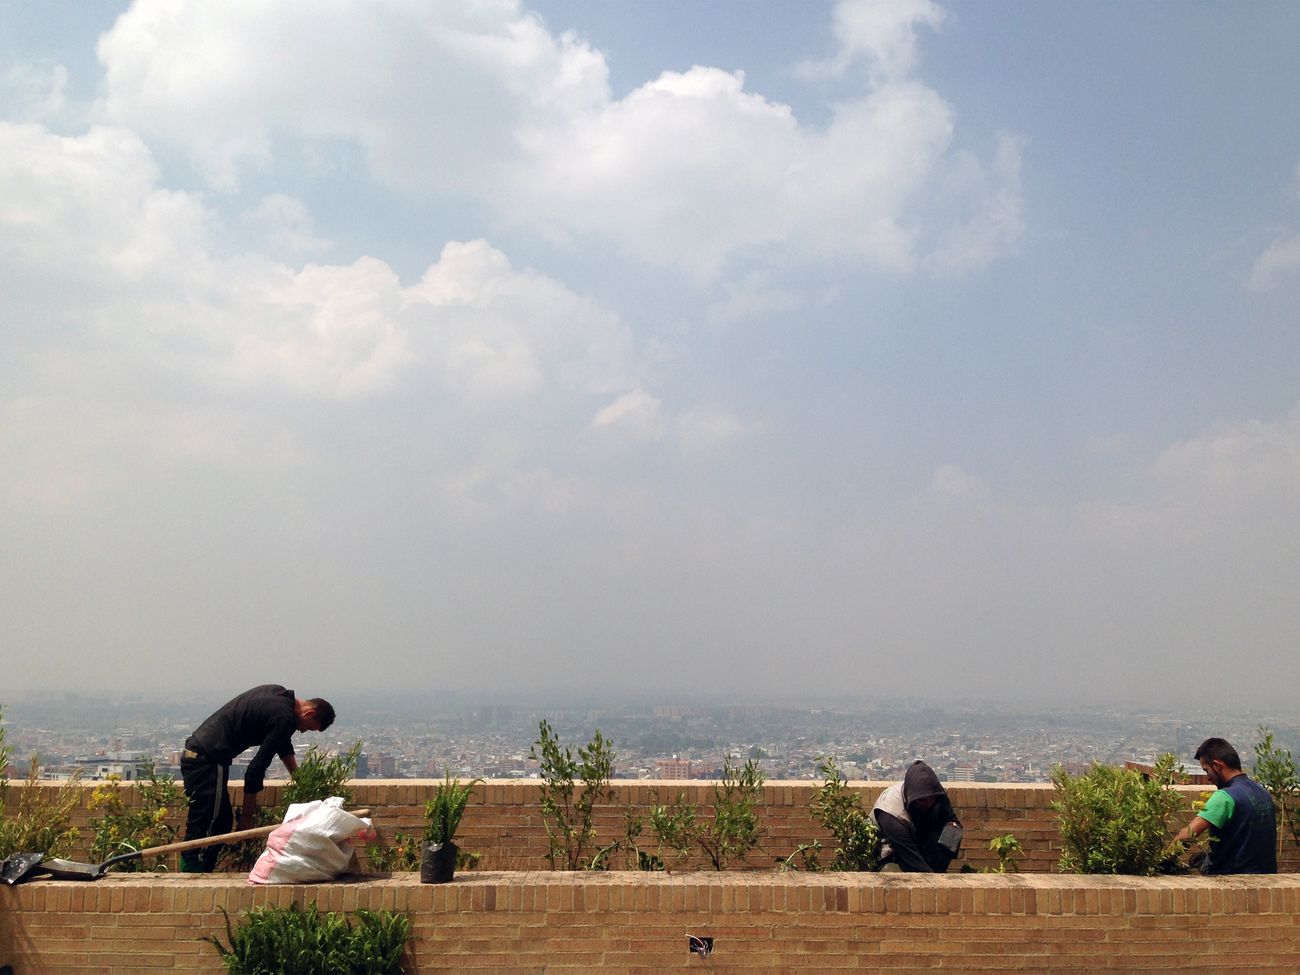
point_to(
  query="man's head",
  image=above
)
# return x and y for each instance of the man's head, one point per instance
(1219, 760)
(316, 714)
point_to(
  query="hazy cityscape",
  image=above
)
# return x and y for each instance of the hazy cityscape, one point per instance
(413, 737)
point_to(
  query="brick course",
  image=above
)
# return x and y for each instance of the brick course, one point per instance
(553, 922)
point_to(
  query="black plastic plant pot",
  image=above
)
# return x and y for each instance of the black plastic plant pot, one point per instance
(438, 863)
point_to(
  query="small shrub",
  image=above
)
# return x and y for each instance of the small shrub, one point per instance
(735, 830)
(442, 813)
(40, 820)
(292, 941)
(675, 828)
(124, 829)
(1275, 770)
(1116, 821)
(1008, 851)
(403, 854)
(567, 813)
(839, 809)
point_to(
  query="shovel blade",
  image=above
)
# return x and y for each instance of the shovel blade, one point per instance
(71, 870)
(16, 868)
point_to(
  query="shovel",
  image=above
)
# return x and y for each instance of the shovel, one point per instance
(24, 866)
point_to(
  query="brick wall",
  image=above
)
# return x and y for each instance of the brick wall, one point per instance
(503, 821)
(638, 924)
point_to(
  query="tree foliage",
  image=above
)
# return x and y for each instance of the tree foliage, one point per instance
(1116, 821)
(567, 809)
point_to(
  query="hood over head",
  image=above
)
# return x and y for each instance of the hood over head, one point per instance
(920, 782)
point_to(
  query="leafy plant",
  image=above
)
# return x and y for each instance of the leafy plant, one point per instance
(40, 821)
(291, 941)
(734, 829)
(1116, 821)
(442, 813)
(319, 776)
(1008, 851)
(402, 854)
(1275, 770)
(839, 809)
(124, 829)
(567, 813)
(675, 827)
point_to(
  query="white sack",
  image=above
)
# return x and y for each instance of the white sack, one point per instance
(314, 843)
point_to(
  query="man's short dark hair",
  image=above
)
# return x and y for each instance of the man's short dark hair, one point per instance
(325, 712)
(1218, 750)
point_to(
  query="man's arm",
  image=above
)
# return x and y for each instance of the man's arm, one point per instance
(279, 741)
(1195, 828)
(1216, 811)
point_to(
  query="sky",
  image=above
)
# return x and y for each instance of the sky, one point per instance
(736, 347)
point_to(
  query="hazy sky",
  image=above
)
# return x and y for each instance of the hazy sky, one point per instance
(649, 346)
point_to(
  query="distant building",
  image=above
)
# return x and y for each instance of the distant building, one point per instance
(962, 773)
(674, 768)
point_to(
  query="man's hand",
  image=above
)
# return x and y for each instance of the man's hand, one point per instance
(247, 812)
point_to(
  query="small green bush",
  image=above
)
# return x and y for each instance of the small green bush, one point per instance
(442, 813)
(40, 820)
(735, 829)
(293, 941)
(124, 829)
(567, 811)
(839, 809)
(1117, 821)
(1275, 770)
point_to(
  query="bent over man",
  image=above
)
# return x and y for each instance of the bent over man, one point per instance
(1239, 815)
(265, 717)
(912, 817)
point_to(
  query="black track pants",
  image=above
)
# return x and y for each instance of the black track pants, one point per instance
(210, 813)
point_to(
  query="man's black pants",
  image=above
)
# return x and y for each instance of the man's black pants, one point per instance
(210, 813)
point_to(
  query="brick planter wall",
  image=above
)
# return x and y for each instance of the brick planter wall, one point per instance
(503, 821)
(638, 924)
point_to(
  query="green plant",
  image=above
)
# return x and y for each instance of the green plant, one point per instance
(292, 941)
(567, 813)
(402, 854)
(124, 829)
(1275, 770)
(1008, 851)
(319, 776)
(675, 827)
(442, 813)
(735, 829)
(1116, 821)
(40, 820)
(839, 809)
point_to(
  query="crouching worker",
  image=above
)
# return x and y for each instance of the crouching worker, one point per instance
(919, 831)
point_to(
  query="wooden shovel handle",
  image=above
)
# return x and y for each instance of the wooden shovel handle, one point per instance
(243, 834)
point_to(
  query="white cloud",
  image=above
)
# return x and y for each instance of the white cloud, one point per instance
(33, 91)
(690, 169)
(119, 308)
(637, 415)
(880, 32)
(708, 428)
(1280, 260)
(286, 224)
